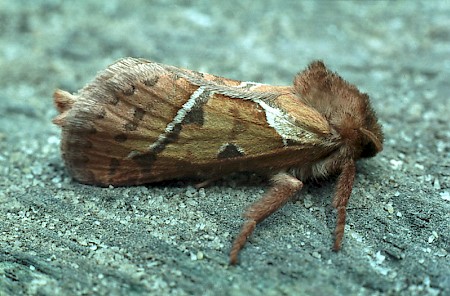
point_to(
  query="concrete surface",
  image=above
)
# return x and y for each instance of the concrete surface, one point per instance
(58, 237)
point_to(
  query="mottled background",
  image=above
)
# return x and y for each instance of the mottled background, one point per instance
(58, 237)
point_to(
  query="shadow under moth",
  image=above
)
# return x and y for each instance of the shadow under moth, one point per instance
(142, 122)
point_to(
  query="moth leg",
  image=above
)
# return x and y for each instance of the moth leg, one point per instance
(343, 190)
(206, 183)
(284, 186)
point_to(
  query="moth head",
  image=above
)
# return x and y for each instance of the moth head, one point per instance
(358, 124)
(346, 109)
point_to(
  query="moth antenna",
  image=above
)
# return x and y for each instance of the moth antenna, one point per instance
(284, 186)
(343, 190)
(373, 138)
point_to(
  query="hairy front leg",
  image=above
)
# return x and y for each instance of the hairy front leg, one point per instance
(343, 190)
(284, 186)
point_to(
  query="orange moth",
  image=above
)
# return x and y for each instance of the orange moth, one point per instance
(142, 122)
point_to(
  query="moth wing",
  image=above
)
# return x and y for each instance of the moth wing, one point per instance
(119, 114)
(141, 122)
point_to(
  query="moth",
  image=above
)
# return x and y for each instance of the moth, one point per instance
(143, 122)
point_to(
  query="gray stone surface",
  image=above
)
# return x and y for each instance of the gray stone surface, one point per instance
(58, 237)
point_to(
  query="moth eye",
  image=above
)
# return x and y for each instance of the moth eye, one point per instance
(369, 149)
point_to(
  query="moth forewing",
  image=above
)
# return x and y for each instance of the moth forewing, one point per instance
(141, 122)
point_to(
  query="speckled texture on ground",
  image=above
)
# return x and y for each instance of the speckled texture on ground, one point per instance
(58, 237)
